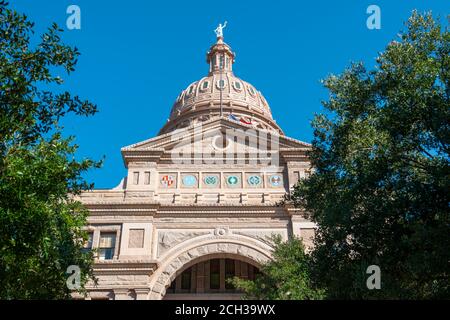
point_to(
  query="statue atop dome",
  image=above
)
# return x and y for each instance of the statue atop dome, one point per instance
(219, 30)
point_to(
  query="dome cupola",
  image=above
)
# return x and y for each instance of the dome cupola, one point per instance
(221, 94)
(220, 57)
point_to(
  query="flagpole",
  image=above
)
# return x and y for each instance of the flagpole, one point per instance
(220, 81)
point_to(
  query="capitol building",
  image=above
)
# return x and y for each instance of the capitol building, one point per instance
(201, 199)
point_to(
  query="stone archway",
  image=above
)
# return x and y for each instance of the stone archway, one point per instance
(168, 272)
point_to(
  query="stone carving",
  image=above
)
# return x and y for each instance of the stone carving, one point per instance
(136, 238)
(169, 239)
(221, 231)
(168, 273)
(263, 236)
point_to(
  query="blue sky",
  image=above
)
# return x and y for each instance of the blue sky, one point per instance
(138, 55)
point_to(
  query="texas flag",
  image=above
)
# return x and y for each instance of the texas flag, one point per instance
(233, 117)
(246, 121)
(241, 119)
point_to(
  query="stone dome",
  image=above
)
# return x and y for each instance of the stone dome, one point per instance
(221, 94)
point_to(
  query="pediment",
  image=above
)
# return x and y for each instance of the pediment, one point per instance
(212, 134)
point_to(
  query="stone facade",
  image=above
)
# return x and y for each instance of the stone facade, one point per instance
(209, 186)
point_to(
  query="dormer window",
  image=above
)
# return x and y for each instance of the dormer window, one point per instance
(221, 84)
(251, 90)
(191, 90)
(204, 86)
(237, 86)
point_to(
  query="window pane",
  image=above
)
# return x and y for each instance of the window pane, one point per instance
(214, 274)
(186, 280)
(229, 273)
(106, 254)
(107, 240)
(171, 289)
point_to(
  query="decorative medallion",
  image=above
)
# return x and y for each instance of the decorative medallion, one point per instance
(167, 180)
(221, 231)
(232, 180)
(275, 180)
(211, 180)
(189, 180)
(254, 180)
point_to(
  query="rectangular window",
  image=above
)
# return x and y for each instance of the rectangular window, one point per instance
(229, 273)
(146, 177)
(106, 246)
(214, 274)
(135, 177)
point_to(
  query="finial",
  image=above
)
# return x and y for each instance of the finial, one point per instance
(219, 30)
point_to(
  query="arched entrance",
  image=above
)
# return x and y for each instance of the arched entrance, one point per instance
(246, 252)
(207, 278)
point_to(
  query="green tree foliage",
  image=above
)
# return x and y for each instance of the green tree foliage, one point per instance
(286, 277)
(40, 223)
(380, 189)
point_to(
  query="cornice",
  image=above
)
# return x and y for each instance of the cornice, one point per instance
(157, 209)
(128, 267)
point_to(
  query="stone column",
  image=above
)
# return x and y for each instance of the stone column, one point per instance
(142, 293)
(121, 294)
